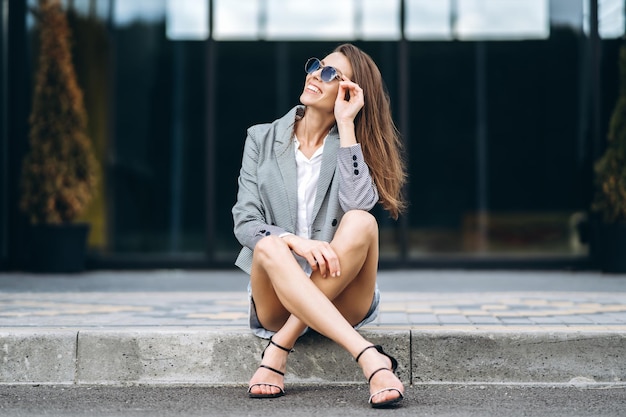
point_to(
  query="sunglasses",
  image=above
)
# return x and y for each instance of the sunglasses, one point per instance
(327, 75)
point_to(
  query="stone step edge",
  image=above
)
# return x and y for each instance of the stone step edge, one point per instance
(229, 357)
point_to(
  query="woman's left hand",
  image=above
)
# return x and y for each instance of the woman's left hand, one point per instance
(346, 110)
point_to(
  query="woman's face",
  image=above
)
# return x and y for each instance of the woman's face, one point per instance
(320, 94)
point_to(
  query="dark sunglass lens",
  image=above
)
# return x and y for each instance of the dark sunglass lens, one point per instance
(312, 65)
(328, 74)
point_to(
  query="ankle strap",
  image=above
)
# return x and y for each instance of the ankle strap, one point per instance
(363, 351)
(281, 347)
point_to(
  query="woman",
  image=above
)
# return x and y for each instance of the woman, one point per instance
(306, 184)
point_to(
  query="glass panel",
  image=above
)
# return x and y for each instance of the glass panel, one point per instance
(91, 54)
(497, 19)
(498, 150)
(568, 13)
(498, 145)
(94, 8)
(127, 12)
(320, 19)
(4, 145)
(427, 19)
(476, 19)
(381, 19)
(236, 20)
(157, 175)
(187, 20)
(611, 18)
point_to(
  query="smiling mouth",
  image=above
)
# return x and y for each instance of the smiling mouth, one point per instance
(313, 89)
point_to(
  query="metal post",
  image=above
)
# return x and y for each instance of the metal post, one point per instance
(482, 159)
(597, 142)
(177, 144)
(596, 84)
(19, 95)
(110, 154)
(4, 196)
(403, 118)
(211, 66)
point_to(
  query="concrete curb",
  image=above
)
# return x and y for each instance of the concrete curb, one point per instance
(513, 356)
(170, 356)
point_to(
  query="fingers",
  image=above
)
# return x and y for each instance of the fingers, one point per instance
(349, 101)
(319, 254)
(324, 259)
(351, 92)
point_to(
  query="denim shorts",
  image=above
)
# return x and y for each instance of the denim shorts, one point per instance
(262, 332)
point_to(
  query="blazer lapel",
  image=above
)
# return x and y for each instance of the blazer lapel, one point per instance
(285, 157)
(327, 170)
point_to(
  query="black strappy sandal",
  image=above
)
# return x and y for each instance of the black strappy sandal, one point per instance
(394, 366)
(282, 391)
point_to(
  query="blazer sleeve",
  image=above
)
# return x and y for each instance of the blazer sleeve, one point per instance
(250, 223)
(356, 186)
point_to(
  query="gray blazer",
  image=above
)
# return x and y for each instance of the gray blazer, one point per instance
(267, 196)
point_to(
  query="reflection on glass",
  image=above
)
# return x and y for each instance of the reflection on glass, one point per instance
(236, 20)
(477, 19)
(380, 19)
(319, 19)
(158, 155)
(91, 8)
(567, 13)
(427, 19)
(611, 18)
(126, 12)
(497, 19)
(187, 20)
(157, 166)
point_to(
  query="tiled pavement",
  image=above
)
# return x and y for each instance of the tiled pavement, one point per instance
(77, 302)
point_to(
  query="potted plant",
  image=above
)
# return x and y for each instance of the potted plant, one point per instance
(59, 171)
(610, 199)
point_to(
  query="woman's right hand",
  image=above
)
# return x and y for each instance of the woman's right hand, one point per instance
(319, 254)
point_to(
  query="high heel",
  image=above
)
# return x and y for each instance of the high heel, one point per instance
(282, 391)
(394, 366)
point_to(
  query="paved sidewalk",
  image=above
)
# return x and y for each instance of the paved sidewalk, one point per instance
(410, 299)
(190, 327)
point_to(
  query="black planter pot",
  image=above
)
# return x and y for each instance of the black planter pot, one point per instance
(610, 247)
(58, 248)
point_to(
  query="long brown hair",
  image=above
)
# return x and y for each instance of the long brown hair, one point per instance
(376, 132)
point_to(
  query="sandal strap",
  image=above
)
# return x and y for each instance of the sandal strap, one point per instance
(281, 347)
(379, 348)
(265, 383)
(271, 369)
(271, 342)
(363, 351)
(377, 371)
(386, 389)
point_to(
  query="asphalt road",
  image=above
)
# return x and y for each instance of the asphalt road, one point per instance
(309, 400)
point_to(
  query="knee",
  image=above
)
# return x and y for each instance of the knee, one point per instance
(360, 222)
(269, 249)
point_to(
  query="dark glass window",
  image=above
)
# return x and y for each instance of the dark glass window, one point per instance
(496, 118)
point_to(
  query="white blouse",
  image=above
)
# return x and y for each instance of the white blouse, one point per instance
(308, 176)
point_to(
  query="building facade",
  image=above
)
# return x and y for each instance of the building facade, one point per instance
(503, 108)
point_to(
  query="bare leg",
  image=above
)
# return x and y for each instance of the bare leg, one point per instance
(330, 305)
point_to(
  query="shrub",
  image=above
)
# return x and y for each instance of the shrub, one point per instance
(611, 167)
(59, 171)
